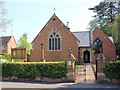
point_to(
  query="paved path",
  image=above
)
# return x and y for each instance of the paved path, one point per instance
(58, 85)
(85, 74)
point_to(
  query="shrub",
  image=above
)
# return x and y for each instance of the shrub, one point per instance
(34, 69)
(6, 56)
(111, 69)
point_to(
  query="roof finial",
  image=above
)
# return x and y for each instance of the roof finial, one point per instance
(54, 10)
(67, 24)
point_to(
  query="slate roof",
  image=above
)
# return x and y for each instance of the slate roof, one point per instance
(5, 40)
(84, 37)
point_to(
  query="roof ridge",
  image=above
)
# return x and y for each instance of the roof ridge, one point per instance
(5, 36)
(79, 31)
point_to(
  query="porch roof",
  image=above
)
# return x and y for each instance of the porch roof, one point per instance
(84, 37)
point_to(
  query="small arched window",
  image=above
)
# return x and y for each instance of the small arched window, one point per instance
(97, 45)
(54, 41)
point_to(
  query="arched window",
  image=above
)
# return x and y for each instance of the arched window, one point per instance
(54, 41)
(97, 45)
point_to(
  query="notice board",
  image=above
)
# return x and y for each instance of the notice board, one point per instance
(18, 53)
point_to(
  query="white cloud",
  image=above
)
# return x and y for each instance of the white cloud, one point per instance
(40, 1)
(49, 1)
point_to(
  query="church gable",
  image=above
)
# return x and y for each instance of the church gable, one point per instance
(56, 37)
(55, 23)
(108, 47)
(98, 33)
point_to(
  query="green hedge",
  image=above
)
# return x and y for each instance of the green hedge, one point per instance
(112, 69)
(34, 69)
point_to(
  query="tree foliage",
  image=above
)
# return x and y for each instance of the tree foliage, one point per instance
(106, 16)
(92, 24)
(105, 12)
(113, 28)
(4, 22)
(22, 42)
(6, 56)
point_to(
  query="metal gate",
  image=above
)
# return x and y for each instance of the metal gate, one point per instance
(84, 73)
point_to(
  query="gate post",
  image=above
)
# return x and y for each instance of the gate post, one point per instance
(71, 70)
(96, 70)
(71, 67)
(100, 76)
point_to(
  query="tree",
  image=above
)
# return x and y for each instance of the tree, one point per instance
(95, 22)
(4, 22)
(105, 12)
(113, 30)
(6, 56)
(92, 24)
(22, 42)
(108, 18)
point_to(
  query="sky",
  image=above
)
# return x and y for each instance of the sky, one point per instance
(30, 17)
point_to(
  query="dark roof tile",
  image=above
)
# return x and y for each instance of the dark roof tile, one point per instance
(84, 37)
(5, 40)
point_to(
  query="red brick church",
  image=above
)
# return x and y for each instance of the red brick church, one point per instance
(55, 39)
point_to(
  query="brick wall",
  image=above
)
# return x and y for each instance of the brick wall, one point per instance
(11, 44)
(109, 49)
(67, 41)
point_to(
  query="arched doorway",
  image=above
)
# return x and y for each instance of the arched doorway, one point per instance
(86, 56)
